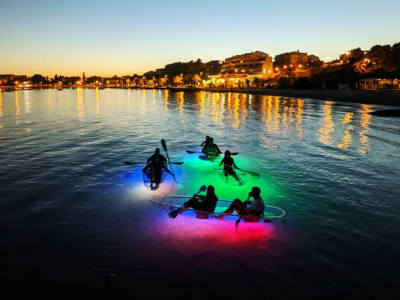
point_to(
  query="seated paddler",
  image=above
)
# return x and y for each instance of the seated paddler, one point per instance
(211, 150)
(154, 167)
(255, 207)
(203, 205)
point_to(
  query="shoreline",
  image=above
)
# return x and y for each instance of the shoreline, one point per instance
(380, 97)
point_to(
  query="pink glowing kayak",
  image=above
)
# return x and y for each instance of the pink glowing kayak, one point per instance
(174, 202)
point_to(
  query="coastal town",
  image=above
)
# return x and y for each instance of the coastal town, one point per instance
(375, 69)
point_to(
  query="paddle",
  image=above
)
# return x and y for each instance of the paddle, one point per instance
(193, 152)
(250, 172)
(164, 145)
(240, 215)
(173, 214)
(129, 163)
(225, 146)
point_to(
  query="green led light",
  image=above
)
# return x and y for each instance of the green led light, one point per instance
(197, 172)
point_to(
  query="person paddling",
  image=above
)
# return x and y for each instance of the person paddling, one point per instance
(211, 150)
(155, 164)
(250, 208)
(204, 204)
(205, 144)
(229, 164)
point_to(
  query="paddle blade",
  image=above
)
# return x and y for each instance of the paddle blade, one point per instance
(177, 162)
(234, 153)
(191, 152)
(237, 223)
(164, 145)
(203, 188)
(129, 163)
(251, 173)
(172, 214)
(254, 173)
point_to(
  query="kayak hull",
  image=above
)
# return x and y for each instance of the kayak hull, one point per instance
(173, 202)
(149, 184)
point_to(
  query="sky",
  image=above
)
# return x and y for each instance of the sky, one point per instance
(125, 37)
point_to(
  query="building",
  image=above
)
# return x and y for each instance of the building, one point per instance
(251, 65)
(294, 58)
(295, 64)
(212, 67)
(379, 84)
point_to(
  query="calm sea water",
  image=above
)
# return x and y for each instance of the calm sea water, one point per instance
(73, 215)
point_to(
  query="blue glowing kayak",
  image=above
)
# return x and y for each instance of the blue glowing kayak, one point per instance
(149, 184)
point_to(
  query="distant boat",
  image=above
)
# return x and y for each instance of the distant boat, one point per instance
(60, 88)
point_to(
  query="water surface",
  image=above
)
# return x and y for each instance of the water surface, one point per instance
(73, 215)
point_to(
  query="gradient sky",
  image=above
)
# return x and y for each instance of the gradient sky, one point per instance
(126, 37)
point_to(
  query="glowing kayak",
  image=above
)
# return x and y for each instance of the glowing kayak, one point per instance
(207, 158)
(243, 176)
(173, 202)
(147, 179)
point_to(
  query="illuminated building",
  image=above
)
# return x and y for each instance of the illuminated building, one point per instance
(251, 65)
(379, 84)
(294, 58)
(295, 64)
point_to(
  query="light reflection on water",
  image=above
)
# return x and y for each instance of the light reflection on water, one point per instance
(1, 104)
(332, 166)
(80, 107)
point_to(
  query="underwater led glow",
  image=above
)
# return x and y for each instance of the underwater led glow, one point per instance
(196, 172)
(195, 233)
(134, 179)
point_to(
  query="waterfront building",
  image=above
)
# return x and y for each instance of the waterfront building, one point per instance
(379, 84)
(294, 58)
(248, 66)
(295, 64)
(212, 67)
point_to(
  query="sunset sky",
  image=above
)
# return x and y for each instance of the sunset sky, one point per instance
(126, 37)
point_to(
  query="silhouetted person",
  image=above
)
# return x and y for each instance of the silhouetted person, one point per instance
(252, 208)
(202, 203)
(205, 143)
(211, 150)
(155, 164)
(229, 164)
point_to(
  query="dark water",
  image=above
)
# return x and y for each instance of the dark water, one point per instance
(72, 215)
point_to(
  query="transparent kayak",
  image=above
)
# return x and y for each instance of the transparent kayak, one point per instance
(173, 202)
(147, 179)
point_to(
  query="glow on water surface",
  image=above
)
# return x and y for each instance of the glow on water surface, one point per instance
(331, 166)
(190, 176)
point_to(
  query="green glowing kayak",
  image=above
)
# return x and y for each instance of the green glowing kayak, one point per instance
(243, 176)
(208, 158)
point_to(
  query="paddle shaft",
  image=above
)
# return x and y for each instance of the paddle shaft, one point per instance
(135, 163)
(164, 145)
